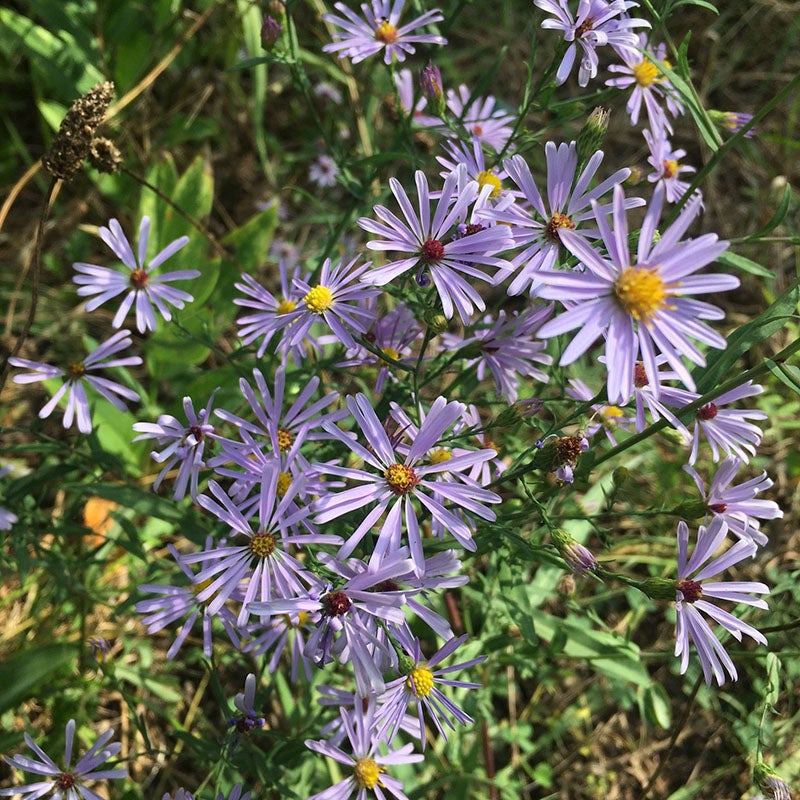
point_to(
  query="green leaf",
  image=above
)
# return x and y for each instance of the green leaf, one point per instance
(787, 374)
(251, 241)
(22, 673)
(745, 264)
(655, 706)
(745, 338)
(778, 216)
(773, 679)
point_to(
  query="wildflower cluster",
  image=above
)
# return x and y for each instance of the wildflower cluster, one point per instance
(364, 450)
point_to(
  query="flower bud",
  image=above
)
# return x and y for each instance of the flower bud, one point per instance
(732, 121)
(590, 139)
(579, 559)
(430, 79)
(271, 31)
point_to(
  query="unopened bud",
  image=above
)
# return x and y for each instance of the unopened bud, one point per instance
(437, 322)
(590, 139)
(579, 558)
(732, 121)
(430, 79)
(271, 31)
(636, 176)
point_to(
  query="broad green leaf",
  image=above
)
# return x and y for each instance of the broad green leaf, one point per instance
(251, 241)
(22, 673)
(655, 706)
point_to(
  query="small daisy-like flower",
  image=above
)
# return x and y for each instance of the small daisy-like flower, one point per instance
(666, 164)
(608, 418)
(397, 479)
(334, 299)
(378, 29)
(650, 85)
(473, 158)
(77, 374)
(428, 240)
(183, 443)
(733, 121)
(420, 682)
(367, 763)
(693, 587)
(597, 23)
(146, 289)
(248, 718)
(323, 172)
(481, 117)
(68, 783)
(536, 226)
(327, 91)
(738, 505)
(639, 304)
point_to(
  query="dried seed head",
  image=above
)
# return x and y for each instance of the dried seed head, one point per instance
(104, 155)
(73, 141)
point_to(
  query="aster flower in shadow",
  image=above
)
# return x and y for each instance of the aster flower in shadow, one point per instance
(691, 589)
(77, 374)
(420, 682)
(362, 37)
(536, 226)
(640, 304)
(183, 444)
(738, 505)
(482, 117)
(667, 167)
(367, 763)
(430, 244)
(142, 287)
(68, 783)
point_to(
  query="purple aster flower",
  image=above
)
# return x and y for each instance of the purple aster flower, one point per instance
(406, 85)
(639, 305)
(263, 564)
(235, 794)
(181, 602)
(733, 121)
(420, 682)
(68, 783)
(482, 117)
(77, 374)
(609, 418)
(146, 289)
(283, 631)
(486, 471)
(473, 158)
(349, 614)
(367, 763)
(693, 587)
(650, 85)
(536, 226)
(431, 247)
(361, 38)
(728, 430)
(597, 23)
(578, 557)
(182, 443)
(323, 172)
(647, 396)
(737, 505)
(180, 794)
(667, 168)
(271, 315)
(334, 299)
(399, 478)
(508, 349)
(244, 702)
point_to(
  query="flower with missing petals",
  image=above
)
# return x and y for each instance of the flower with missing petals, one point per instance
(142, 287)
(77, 374)
(639, 303)
(360, 37)
(68, 783)
(692, 589)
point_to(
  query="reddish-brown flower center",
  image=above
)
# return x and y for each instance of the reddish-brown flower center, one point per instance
(386, 586)
(568, 449)
(139, 279)
(473, 227)
(197, 432)
(401, 479)
(718, 508)
(584, 27)
(558, 221)
(432, 250)
(66, 780)
(692, 591)
(640, 376)
(707, 412)
(336, 604)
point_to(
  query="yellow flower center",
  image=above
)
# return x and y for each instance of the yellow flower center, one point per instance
(391, 353)
(488, 178)
(368, 773)
(386, 32)
(284, 482)
(284, 439)
(199, 587)
(641, 292)
(420, 681)
(262, 545)
(319, 299)
(671, 167)
(285, 306)
(646, 73)
(401, 479)
(557, 221)
(439, 456)
(610, 415)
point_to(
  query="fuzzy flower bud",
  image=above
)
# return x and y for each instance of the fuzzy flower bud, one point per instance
(579, 559)
(271, 31)
(590, 139)
(430, 79)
